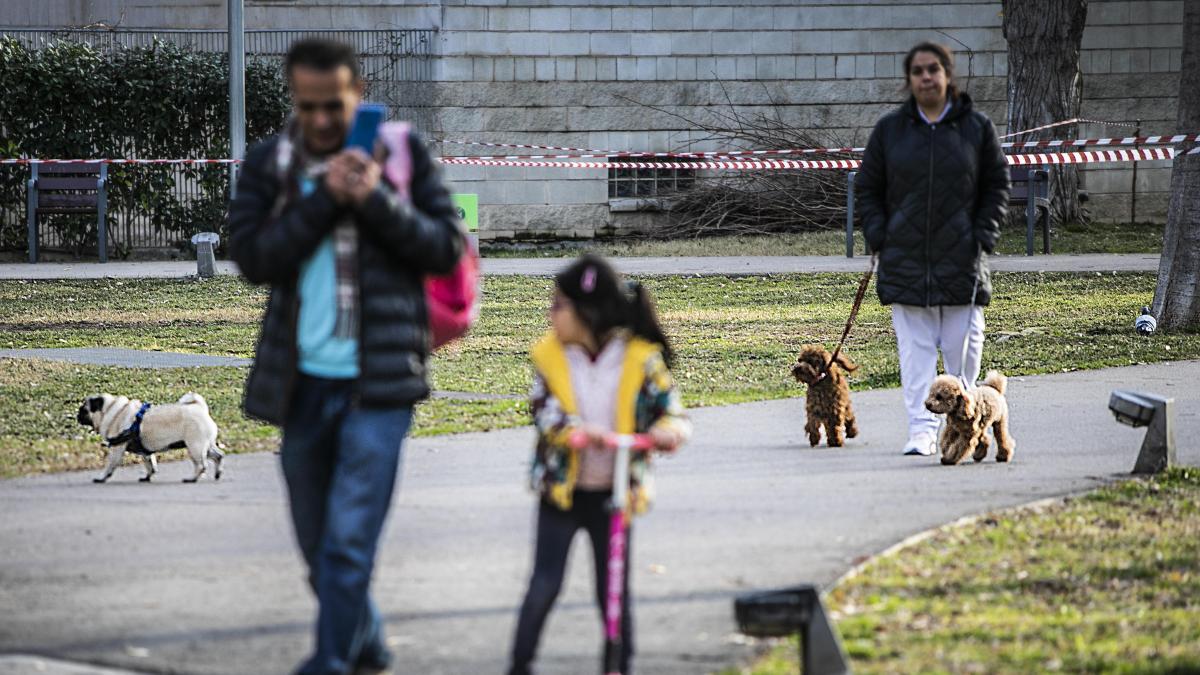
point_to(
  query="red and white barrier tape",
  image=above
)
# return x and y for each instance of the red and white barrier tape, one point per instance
(1129, 140)
(1046, 143)
(519, 145)
(675, 155)
(1073, 120)
(1034, 159)
(733, 164)
(1092, 156)
(120, 161)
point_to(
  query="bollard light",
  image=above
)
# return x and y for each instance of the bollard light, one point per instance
(1140, 409)
(791, 611)
(206, 260)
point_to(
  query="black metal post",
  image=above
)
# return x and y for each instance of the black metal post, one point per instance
(102, 213)
(1031, 195)
(31, 206)
(850, 214)
(1046, 220)
(1133, 184)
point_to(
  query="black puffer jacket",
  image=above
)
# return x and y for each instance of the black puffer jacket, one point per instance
(399, 244)
(930, 197)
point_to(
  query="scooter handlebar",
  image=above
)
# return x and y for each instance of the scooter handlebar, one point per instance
(635, 442)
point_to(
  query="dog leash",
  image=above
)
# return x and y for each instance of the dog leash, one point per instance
(962, 366)
(858, 299)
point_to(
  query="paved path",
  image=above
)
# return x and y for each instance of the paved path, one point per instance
(137, 358)
(203, 578)
(124, 358)
(1137, 262)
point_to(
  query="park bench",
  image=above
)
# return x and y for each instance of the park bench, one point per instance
(1031, 189)
(72, 188)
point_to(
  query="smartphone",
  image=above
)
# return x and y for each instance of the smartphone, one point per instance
(365, 128)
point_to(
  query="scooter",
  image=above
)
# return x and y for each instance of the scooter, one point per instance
(622, 445)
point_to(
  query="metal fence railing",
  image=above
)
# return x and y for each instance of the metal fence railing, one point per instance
(395, 65)
(392, 59)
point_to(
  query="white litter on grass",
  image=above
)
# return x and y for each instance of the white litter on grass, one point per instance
(137, 652)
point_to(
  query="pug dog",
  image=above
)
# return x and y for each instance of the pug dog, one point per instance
(185, 423)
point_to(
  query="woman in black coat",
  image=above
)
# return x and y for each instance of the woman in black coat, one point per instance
(932, 192)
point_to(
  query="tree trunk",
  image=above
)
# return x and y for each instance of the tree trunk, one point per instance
(1177, 298)
(1044, 82)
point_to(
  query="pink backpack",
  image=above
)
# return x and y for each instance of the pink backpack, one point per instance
(451, 300)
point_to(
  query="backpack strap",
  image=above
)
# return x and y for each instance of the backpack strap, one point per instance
(397, 168)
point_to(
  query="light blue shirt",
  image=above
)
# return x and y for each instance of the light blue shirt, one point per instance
(322, 354)
(939, 118)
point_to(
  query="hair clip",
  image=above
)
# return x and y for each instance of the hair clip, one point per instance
(588, 281)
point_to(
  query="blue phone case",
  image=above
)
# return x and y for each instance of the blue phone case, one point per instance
(365, 129)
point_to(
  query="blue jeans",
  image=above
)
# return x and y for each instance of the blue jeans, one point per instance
(340, 462)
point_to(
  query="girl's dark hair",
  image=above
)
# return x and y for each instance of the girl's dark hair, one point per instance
(944, 57)
(604, 302)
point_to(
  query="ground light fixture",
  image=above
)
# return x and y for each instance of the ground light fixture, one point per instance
(792, 611)
(1140, 409)
(206, 262)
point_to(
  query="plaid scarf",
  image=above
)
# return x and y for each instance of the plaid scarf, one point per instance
(294, 166)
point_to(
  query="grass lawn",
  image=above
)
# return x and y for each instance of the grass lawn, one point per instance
(1094, 238)
(736, 338)
(1105, 583)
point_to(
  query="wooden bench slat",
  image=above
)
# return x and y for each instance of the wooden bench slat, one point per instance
(50, 183)
(89, 211)
(57, 200)
(92, 169)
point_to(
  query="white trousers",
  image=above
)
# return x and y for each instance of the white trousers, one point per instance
(920, 333)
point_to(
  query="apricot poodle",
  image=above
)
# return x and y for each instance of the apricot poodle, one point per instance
(968, 416)
(827, 403)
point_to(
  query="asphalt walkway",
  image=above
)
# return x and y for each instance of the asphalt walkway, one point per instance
(205, 579)
(743, 265)
(137, 358)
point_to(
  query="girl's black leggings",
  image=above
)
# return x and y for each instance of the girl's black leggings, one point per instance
(555, 530)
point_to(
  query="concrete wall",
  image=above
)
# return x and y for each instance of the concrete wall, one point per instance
(573, 72)
(520, 71)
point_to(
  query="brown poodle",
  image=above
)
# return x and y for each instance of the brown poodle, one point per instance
(968, 416)
(828, 401)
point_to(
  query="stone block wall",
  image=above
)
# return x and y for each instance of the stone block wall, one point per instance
(582, 73)
(574, 74)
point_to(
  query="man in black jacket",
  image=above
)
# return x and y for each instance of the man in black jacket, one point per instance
(932, 192)
(341, 357)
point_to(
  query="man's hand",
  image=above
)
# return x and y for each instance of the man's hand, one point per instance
(352, 176)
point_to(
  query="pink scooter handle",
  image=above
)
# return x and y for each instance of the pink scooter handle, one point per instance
(635, 442)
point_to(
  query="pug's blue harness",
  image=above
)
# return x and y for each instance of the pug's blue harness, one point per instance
(132, 437)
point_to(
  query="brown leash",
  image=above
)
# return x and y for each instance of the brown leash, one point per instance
(858, 298)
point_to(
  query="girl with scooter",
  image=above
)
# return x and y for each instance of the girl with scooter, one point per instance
(602, 383)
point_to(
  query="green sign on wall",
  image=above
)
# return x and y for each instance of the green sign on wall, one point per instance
(468, 210)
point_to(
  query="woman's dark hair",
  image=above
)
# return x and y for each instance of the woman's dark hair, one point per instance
(604, 302)
(322, 55)
(944, 57)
